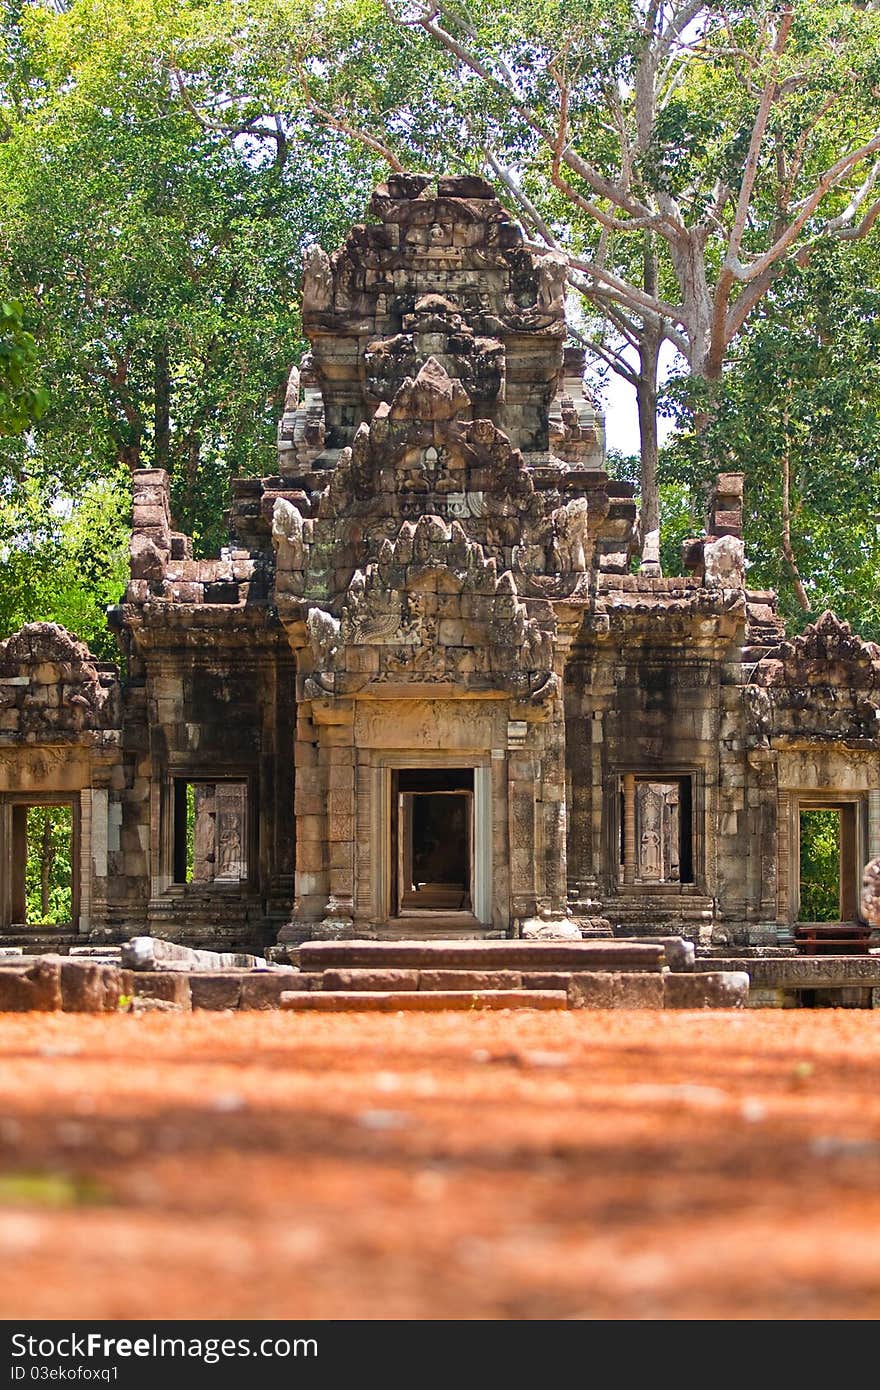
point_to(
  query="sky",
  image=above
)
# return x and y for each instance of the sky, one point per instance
(619, 402)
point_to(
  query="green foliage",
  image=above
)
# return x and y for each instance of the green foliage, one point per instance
(63, 564)
(49, 872)
(157, 258)
(679, 519)
(802, 388)
(820, 866)
(22, 400)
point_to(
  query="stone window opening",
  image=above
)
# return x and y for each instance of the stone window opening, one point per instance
(210, 832)
(828, 862)
(656, 830)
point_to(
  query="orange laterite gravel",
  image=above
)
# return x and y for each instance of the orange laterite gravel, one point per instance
(504, 1165)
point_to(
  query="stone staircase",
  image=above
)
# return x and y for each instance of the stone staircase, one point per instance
(422, 976)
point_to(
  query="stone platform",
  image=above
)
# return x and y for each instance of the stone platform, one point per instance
(369, 975)
(791, 982)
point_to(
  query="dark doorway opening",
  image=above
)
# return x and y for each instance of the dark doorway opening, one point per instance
(432, 834)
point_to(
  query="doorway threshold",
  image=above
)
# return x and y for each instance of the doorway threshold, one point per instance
(417, 924)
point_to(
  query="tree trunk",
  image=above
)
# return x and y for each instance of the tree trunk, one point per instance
(650, 338)
(161, 406)
(646, 393)
(786, 547)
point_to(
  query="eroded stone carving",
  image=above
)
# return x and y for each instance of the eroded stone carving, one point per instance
(317, 289)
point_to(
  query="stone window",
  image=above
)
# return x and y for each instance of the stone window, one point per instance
(656, 829)
(210, 832)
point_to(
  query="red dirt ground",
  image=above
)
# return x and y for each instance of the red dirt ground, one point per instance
(512, 1165)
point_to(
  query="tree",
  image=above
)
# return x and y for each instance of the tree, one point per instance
(683, 154)
(156, 259)
(798, 412)
(63, 563)
(22, 400)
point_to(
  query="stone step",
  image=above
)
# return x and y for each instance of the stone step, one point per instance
(482, 955)
(421, 1001)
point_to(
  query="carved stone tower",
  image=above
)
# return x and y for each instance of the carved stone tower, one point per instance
(432, 560)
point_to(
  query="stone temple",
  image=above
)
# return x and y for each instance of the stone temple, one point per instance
(426, 689)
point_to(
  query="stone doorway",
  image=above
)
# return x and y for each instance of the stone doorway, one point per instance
(432, 834)
(828, 862)
(39, 884)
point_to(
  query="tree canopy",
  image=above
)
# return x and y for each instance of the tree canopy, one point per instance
(157, 260)
(711, 173)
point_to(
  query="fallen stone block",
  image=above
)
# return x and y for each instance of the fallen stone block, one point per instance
(170, 987)
(370, 979)
(35, 988)
(616, 990)
(556, 929)
(142, 1004)
(761, 998)
(680, 954)
(152, 953)
(469, 979)
(421, 1001)
(209, 991)
(89, 987)
(715, 989)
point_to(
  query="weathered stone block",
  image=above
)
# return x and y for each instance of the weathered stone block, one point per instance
(264, 989)
(469, 979)
(168, 986)
(423, 1001)
(546, 979)
(36, 988)
(722, 989)
(370, 979)
(613, 990)
(88, 987)
(220, 991)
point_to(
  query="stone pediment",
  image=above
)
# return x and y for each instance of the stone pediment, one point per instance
(823, 684)
(431, 519)
(433, 609)
(827, 653)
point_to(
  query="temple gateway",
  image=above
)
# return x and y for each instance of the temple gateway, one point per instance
(425, 690)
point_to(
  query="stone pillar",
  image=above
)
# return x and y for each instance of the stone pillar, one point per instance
(553, 882)
(521, 778)
(874, 824)
(339, 915)
(312, 870)
(629, 827)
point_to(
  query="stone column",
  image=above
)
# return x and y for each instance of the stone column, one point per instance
(311, 877)
(521, 778)
(629, 827)
(874, 824)
(339, 915)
